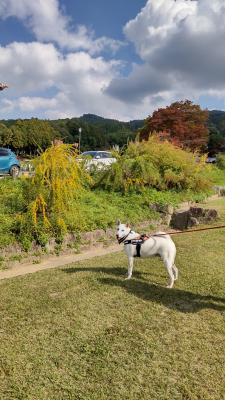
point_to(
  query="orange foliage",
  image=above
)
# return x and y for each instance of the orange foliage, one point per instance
(182, 123)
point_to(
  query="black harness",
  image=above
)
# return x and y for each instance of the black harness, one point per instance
(136, 242)
(121, 240)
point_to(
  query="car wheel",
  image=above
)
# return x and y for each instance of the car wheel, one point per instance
(14, 171)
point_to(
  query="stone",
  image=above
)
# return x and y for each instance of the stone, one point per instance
(87, 237)
(220, 190)
(210, 215)
(50, 246)
(192, 217)
(110, 233)
(192, 221)
(98, 234)
(197, 212)
(179, 220)
(203, 214)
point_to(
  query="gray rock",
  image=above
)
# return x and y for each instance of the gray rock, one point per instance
(192, 221)
(110, 233)
(87, 237)
(179, 220)
(98, 234)
(220, 190)
(210, 215)
(203, 214)
(50, 246)
(192, 217)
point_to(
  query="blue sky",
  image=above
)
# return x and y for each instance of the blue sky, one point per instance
(105, 18)
(118, 59)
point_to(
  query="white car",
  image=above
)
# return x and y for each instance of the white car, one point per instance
(99, 159)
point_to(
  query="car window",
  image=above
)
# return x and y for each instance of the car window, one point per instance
(4, 152)
(97, 154)
(105, 155)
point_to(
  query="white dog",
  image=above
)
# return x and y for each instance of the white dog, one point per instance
(157, 244)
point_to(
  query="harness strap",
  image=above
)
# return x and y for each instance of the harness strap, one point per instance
(138, 249)
(121, 240)
(136, 242)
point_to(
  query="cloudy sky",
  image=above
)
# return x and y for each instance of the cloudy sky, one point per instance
(117, 58)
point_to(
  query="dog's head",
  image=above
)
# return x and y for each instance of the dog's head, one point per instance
(122, 230)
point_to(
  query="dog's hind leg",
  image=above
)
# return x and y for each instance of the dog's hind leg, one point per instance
(169, 267)
(130, 267)
(175, 272)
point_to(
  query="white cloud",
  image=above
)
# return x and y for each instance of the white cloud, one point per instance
(182, 47)
(41, 66)
(77, 81)
(156, 21)
(48, 23)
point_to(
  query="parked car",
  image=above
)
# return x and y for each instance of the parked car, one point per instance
(211, 160)
(9, 163)
(100, 159)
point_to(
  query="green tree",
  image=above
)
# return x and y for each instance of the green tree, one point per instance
(32, 135)
(18, 141)
(5, 135)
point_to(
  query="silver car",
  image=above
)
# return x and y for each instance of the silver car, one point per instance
(98, 159)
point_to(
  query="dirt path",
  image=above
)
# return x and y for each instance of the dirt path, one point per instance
(57, 261)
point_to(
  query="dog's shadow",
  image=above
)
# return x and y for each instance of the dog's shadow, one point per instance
(116, 271)
(176, 299)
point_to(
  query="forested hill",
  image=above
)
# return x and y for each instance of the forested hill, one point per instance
(97, 132)
(217, 118)
(95, 119)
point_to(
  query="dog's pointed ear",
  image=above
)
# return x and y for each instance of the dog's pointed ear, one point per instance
(118, 222)
(128, 225)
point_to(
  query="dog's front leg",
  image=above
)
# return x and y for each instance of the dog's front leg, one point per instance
(130, 266)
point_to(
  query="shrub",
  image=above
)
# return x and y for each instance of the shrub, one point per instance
(50, 193)
(155, 164)
(220, 161)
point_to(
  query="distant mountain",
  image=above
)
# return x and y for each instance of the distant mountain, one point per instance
(97, 120)
(217, 118)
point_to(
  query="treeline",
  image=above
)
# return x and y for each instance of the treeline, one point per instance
(33, 135)
(97, 132)
(26, 136)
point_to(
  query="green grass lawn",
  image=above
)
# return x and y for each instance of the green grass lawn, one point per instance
(81, 332)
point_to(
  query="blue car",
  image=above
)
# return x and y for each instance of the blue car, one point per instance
(9, 164)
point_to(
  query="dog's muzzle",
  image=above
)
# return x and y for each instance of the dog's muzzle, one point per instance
(121, 240)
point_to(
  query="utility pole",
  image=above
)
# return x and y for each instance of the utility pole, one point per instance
(80, 131)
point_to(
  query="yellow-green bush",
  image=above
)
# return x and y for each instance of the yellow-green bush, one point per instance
(156, 164)
(50, 193)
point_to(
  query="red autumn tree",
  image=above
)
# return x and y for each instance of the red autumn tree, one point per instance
(183, 123)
